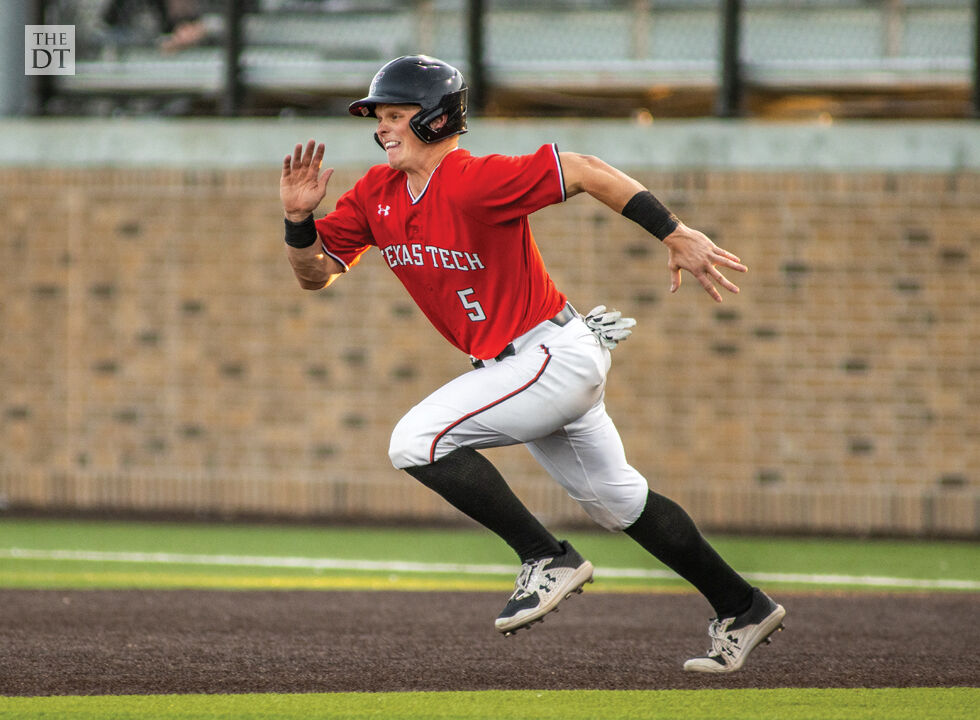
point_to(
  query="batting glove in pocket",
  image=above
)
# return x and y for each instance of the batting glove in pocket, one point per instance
(610, 327)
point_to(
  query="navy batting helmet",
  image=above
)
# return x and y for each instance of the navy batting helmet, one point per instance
(419, 80)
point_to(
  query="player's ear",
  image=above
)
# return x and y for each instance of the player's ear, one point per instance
(439, 122)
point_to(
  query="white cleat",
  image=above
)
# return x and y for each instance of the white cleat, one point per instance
(732, 639)
(541, 585)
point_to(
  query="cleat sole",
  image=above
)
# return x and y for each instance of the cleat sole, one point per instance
(768, 638)
(526, 625)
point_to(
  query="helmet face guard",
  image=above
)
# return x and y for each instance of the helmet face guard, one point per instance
(436, 87)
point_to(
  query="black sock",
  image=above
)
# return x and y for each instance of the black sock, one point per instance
(668, 533)
(472, 485)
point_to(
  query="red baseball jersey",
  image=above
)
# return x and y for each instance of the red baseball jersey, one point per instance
(463, 248)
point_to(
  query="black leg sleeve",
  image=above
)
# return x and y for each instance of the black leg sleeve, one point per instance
(472, 485)
(668, 533)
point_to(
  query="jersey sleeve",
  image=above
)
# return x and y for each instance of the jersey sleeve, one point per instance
(345, 233)
(500, 188)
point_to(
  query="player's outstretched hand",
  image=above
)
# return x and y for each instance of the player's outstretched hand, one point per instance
(692, 250)
(301, 186)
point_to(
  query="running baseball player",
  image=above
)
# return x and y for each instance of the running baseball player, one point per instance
(454, 229)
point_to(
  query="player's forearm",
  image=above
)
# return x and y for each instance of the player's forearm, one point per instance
(617, 190)
(313, 268)
(608, 185)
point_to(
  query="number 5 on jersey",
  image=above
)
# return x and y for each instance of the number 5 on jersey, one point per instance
(476, 313)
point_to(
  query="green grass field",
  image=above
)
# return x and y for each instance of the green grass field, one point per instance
(893, 704)
(80, 554)
(90, 554)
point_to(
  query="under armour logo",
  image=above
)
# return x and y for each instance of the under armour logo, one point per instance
(384, 210)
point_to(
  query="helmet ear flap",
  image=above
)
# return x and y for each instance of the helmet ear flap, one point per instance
(453, 106)
(421, 122)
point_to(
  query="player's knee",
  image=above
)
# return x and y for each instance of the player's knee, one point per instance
(632, 506)
(399, 449)
(406, 447)
(619, 511)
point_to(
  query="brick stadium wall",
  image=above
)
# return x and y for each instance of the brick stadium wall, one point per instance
(158, 355)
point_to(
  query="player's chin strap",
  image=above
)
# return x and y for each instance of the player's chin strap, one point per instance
(610, 327)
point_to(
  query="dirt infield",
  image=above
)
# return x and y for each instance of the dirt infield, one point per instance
(124, 642)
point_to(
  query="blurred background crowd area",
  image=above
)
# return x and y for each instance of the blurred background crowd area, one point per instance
(786, 59)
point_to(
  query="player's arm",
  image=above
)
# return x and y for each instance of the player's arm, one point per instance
(301, 189)
(687, 248)
(313, 268)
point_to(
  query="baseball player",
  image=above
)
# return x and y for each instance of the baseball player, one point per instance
(454, 229)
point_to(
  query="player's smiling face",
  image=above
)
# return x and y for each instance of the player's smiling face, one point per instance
(403, 147)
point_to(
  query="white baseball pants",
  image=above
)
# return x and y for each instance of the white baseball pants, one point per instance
(548, 396)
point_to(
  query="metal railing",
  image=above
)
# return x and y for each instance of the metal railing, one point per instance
(588, 57)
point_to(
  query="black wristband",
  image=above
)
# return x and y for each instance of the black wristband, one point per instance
(300, 234)
(648, 212)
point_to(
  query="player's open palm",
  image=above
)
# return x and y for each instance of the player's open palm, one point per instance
(302, 186)
(692, 250)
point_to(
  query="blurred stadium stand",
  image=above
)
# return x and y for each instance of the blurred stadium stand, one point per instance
(613, 58)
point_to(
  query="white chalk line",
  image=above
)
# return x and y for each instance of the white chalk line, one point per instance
(396, 566)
